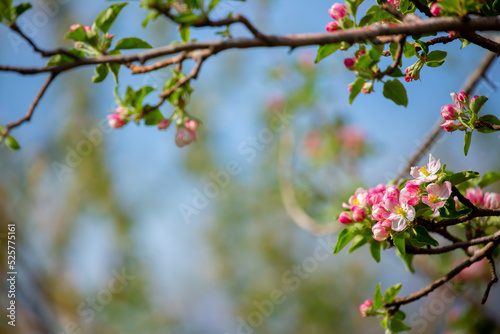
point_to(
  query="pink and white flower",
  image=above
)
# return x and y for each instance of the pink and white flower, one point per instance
(365, 307)
(491, 201)
(381, 230)
(450, 126)
(345, 217)
(75, 26)
(338, 11)
(332, 26)
(449, 112)
(163, 124)
(184, 137)
(458, 100)
(401, 214)
(191, 124)
(116, 121)
(474, 195)
(358, 214)
(435, 10)
(437, 195)
(426, 173)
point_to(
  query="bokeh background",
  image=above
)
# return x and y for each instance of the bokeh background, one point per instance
(106, 245)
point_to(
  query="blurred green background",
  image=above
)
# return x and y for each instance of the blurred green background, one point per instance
(137, 235)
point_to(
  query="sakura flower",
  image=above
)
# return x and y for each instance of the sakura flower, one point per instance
(437, 195)
(475, 195)
(401, 214)
(349, 62)
(411, 192)
(426, 173)
(338, 11)
(491, 200)
(365, 307)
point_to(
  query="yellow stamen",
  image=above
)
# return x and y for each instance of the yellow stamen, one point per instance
(399, 210)
(424, 171)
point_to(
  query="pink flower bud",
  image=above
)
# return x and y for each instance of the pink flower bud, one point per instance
(163, 124)
(449, 112)
(365, 307)
(184, 137)
(121, 110)
(191, 124)
(345, 217)
(435, 10)
(395, 2)
(338, 11)
(475, 195)
(332, 26)
(349, 62)
(74, 27)
(462, 97)
(379, 212)
(453, 34)
(475, 97)
(367, 88)
(87, 28)
(491, 200)
(380, 232)
(358, 214)
(450, 126)
(116, 121)
(109, 35)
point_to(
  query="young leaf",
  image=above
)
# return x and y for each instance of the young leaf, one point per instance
(78, 35)
(409, 50)
(378, 301)
(478, 103)
(12, 143)
(212, 4)
(325, 51)
(465, 42)
(108, 16)
(101, 72)
(358, 242)
(423, 236)
(436, 55)
(115, 67)
(352, 6)
(185, 34)
(492, 119)
(467, 140)
(395, 91)
(61, 59)
(391, 293)
(397, 326)
(435, 63)
(374, 14)
(460, 177)
(345, 236)
(449, 210)
(355, 89)
(153, 117)
(375, 250)
(423, 46)
(18, 10)
(489, 178)
(131, 43)
(399, 242)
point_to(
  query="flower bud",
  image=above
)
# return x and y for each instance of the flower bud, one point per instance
(462, 97)
(435, 10)
(365, 307)
(87, 28)
(475, 97)
(345, 217)
(332, 26)
(450, 126)
(191, 124)
(338, 11)
(367, 88)
(380, 232)
(163, 124)
(475, 195)
(453, 34)
(358, 214)
(121, 110)
(491, 200)
(116, 121)
(74, 27)
(449, 112)
(184, 137)
(349, 62)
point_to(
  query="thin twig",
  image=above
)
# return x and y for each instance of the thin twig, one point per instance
(493, 279)
(397, 57)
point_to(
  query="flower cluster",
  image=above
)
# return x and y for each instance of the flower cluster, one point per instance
(88, 34)
(488, 200)
(389, 208)
(457, 115)
(366, 307)
(337, 12)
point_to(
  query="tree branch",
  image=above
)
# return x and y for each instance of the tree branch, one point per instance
(493, 280)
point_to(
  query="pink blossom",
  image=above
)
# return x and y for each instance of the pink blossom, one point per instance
(391, 193)
(121, 110)
(462, 97)
(163, 124)
(359, 198)
(74, 27)
(457, 102)
(475, 195)
(184, 137)
(491, 200)
(449, 112)
(395, 2)
(475, 97)
(345, 217)
(450, 126)
(367, 88)
(435, 10)
(453, 34)
(349, 62)
(437, 195)
(87, 28)
(332, 26)
(358, 214)
(401, 214)
(191, 124)
(365, 307)
(410, 196)
(116, 121)
(426, 173)
(381, 230)
(379, 212)
(109, 35)
(338, 11)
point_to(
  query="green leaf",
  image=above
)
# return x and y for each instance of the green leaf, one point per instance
(325, 51)
(436, 55)
(406, 7)
(408, 260)
(185, 34)
(395, 91)
(435, 63)
(492, 119)
(467, 140)
(61, 59)
(153, 117)
(150, 17)
(409, 50)
(115, 67)
(140, 95)
(375, 250)
(397, 73)
(355, 89)
(399, 242)
(19, 9)
(378, 301)
(374, 14)
(131, 43)
(397, 326)
(385, 323)
(186, 18)
(352, 6)
(423, 236)
(391, 293)
(450, 211)
(77, 35)
(460, 177)
(345, 236)
(465, 42)
(212, 4)
(489, 178)
(108, 16)
(423, 46)
(478, 103)
(399, 315)
(12, 143)
(101, 72)
(5, 9)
